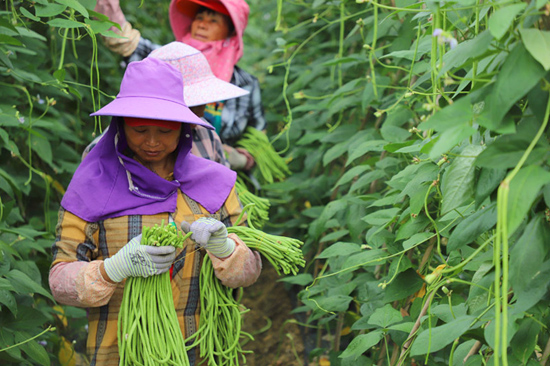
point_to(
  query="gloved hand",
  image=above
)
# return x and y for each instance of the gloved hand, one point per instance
(236, 159)
(250, 162)
(210, 234)
(136, 260)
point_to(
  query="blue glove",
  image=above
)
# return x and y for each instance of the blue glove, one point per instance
(136, 260)
(210, 234)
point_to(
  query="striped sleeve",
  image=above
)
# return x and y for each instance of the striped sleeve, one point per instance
(74, 275)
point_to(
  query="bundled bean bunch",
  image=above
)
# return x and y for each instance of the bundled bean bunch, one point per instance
(270, 164)
(285, 254)
(220, 323)
(258, 207)
(219, 333)
(148, 328)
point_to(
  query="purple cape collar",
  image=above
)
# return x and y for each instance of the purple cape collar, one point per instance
(109, 184)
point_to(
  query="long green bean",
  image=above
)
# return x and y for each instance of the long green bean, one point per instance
(148, 328)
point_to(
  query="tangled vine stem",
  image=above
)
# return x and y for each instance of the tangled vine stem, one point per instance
(417, 324)
(49, 329)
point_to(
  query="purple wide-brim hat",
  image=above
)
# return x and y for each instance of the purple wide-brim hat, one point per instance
(151, 89)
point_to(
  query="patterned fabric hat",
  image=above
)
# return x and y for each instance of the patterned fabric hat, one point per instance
(151, 89)
(201, 85)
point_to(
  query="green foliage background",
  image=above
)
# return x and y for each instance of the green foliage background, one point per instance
(420, 178)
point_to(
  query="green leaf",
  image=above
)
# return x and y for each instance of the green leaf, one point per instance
(472, 227)
(65, 23)
(335, 152)
(361, 344)
(447, 313)
(392, 133)
(7, 338)
(525, 340)
(42, 148)
(458, 113)
(351, 174)
(465, 51)
(524, 188)
(382, 217)
(24, 284)
(103, 28)
(434, 339)
(336, 303)
(366, 179)
(501, 20)
(412, 226)
(302, 279)
(339, 249)
(418, 198)
(8, 300)
(364, 148)
(518, 75)
(49, 10)
(34, 350)
(405, 284)
(512, 328)
(334, 235)
(488, 181)
(462, 351)
(385, 316)
(60, 75)
(365, 258)
(5, 39)
(75, 5)
(417, 239)
(537, 42)
(457, 183)
(28, 14)
(450, 138)
(506, 151)
(402, 327)
(527, 263)
(426, 172)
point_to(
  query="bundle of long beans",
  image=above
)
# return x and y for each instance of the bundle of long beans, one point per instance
(221, 315)
(270, 164)
(258, 212)
(285, 254)
(148, 328)
(219, 333)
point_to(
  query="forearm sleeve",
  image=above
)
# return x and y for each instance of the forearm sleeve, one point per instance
(80, 284)
(240, 269)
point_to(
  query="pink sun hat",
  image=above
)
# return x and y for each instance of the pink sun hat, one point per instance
(151, 89)
(201, 85)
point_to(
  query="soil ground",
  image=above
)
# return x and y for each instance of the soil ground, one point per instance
(277, 340)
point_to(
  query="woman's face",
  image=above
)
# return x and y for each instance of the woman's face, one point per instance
(152, 144)
(209, 26)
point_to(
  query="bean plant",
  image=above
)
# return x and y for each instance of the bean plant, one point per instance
(417, 137)
(416, 134)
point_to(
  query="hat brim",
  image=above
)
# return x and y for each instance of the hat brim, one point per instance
(209, 90)
(141, 107)
(190, 7)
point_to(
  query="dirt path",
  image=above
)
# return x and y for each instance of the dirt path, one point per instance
(277, 341)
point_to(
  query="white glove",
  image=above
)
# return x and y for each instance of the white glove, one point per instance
(237, 160)
(136, 260)
(210, 234)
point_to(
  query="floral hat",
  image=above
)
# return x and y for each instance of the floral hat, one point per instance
(201, 85)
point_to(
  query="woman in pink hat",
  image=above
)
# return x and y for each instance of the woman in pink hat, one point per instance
(141, 173)
(216, 28)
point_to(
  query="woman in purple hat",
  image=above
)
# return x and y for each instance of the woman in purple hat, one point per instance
(201, 87)
(140, 173)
